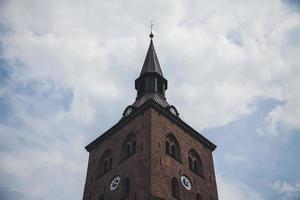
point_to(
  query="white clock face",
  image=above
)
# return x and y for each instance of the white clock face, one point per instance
(128, 111)
(186, 182)
(114, 183)
(173, 111)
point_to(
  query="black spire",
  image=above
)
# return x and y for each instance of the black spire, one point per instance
(151, 84)
(151, 63)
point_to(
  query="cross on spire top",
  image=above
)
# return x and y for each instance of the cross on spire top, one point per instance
(151, 29)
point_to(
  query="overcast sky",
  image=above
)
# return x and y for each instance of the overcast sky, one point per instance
(67, 71)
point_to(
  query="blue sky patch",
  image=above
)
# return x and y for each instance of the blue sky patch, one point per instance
(260, 159)
(295, 4)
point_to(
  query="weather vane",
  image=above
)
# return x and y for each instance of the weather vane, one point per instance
(151, 29)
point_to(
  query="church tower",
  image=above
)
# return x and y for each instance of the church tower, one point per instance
(151, 153)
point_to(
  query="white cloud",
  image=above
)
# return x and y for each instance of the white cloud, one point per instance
(288, 190)
(221, 78)
(236, 190)
(231, 158)
(286, 187)
(219, 57)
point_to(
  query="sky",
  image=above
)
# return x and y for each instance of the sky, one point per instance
(67, 71)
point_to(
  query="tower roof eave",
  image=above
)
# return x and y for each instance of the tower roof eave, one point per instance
(162, 110)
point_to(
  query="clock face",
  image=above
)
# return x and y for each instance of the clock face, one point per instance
(173, 111)
(186, 182)
(128, 111)
(114, 183)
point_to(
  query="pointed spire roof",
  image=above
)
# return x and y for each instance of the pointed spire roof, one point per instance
(151, 63)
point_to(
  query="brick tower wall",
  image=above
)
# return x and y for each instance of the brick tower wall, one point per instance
(164, 167)
(136, 167)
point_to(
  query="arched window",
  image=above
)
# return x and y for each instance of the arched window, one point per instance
(173, 147)
(128, 146)
(105, 163)
(175, 188)
(101, 197)
(195, 163)
(198, 197)
(125, 188)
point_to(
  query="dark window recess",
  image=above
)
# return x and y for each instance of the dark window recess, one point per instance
(198, 197)
(173, 147)
(101, 197)
(160, 87)
(105, 163)
(133, 147)
(151, 84)
(141, 146)
(190, 163)
(195, 165)
(142, 86)
(168, 147)
(175, 188)
(128, 146)
(128, 149)
(195, 162)
(125, 188)
(141, 162)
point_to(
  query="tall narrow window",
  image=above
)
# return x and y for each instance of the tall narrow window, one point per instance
(195, 163)
(133, 146)
(105, 163)
(175, 188)
(168, 147)
(198, 197)
(173, 151)
(126, 188)
(160, 88)
(101, 197)
(110, 163)
(128, 146)
(128, 149)
(173, 147)
(142, 86)
(190, 162)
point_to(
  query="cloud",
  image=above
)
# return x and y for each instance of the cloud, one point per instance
(288, 190)
(67, 70)
(235, 158)
(236, 190)
(235, 58)
(222, 79)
